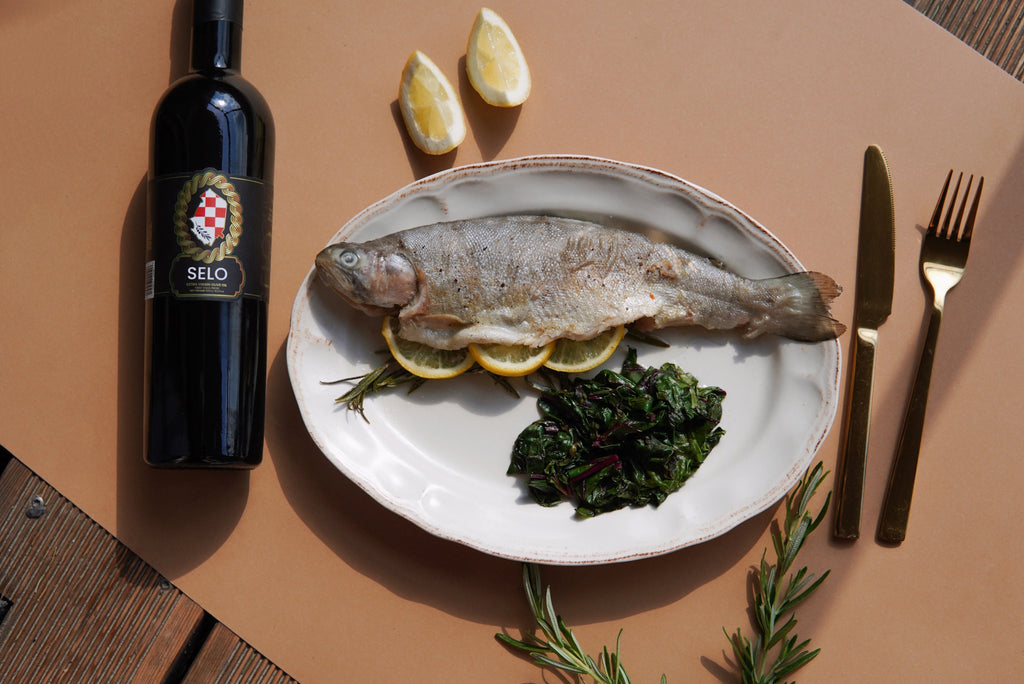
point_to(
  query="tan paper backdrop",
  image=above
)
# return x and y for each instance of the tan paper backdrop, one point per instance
(769, 105)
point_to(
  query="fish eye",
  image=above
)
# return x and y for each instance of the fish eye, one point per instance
(348, 259)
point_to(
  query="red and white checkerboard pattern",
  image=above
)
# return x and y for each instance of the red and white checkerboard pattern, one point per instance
(212, 214)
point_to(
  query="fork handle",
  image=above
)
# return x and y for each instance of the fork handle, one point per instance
(853, 461)
(892, 526)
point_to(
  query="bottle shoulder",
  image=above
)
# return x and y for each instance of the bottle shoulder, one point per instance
(220, 122)
(226, 92)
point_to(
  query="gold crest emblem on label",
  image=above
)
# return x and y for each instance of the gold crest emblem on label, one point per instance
(207, 230)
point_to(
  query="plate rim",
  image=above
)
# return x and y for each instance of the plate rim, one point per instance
(645, 174)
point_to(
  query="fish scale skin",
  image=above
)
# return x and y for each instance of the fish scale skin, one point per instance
(530, 280)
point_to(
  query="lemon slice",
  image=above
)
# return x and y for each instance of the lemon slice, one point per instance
(510, 360)
(423, 360)
(431, 110)
(495, 63)
(577, 356)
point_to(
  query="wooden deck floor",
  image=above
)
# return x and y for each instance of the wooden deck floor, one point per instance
(76, 605)
(993, 28)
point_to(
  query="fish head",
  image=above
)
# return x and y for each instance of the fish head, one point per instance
(374, 281)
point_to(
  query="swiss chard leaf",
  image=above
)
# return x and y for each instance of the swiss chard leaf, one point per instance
(619, 439)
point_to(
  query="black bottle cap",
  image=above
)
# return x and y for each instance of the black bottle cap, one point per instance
(216, 10)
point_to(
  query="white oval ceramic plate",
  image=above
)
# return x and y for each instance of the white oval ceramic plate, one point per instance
(439, 456)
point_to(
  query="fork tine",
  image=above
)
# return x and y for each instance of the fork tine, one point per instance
(933, 225)
(944, 232)
(955, 232)
(973, 213)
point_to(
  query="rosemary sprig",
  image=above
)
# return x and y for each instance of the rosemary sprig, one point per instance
(389, 375)
(384, 377)
(560, 649)
(776, 651)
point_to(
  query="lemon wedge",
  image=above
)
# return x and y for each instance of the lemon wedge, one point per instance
(431, 109)
(495, 63)
(510, 360)
(423, 360)
(577, 356)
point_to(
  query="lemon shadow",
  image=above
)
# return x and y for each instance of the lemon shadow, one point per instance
(492, 126)
(421, 163)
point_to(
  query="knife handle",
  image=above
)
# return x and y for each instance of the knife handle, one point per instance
(854, 456)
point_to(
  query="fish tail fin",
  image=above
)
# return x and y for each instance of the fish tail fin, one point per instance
(799, 308)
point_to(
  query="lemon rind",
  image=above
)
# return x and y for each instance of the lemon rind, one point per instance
(491, 95)
(456, 132)
(591, 363)
(442, 373)
(488, 363)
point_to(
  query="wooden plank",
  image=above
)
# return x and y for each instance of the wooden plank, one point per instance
(995, 29)
(76, 605)
(82, 607)
(225, 658)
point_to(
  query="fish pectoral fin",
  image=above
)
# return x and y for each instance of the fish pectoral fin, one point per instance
(757, 326)
(663, 268)
(439, 321)
(645, 324)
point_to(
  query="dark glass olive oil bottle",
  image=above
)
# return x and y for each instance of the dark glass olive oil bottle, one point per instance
(207, 274)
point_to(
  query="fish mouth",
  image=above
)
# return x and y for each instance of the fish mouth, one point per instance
(331, 274)
(344, 283)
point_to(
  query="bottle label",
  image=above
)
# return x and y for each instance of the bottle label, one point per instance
(209, 237)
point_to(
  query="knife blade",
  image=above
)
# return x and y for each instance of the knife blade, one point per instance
(876, 248)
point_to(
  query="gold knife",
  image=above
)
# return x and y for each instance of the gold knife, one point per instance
(872, 305)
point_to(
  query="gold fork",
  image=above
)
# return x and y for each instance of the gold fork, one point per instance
(943, 257)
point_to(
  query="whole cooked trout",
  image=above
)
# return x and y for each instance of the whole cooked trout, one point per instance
(533, 279)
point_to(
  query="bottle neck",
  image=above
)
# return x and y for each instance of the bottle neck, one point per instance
(217, 45)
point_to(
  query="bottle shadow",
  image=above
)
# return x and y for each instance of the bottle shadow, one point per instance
(175, 519)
